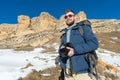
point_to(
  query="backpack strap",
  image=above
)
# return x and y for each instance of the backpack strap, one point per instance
(86, 22)
(83, 23)
(81, 31)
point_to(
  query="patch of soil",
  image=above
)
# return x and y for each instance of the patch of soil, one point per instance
(109, 41)
(24, 48)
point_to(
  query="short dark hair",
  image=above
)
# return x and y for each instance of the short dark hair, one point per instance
(66, 11)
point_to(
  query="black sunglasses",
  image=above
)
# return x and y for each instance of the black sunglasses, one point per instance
(70, 15)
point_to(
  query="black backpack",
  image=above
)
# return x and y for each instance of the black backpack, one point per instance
(90, 57)
(92, 54)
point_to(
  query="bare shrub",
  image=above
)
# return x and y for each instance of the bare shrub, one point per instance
(47, 74)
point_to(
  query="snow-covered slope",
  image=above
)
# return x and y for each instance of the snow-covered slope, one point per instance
(13, 64)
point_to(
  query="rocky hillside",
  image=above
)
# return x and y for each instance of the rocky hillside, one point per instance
(39, 30)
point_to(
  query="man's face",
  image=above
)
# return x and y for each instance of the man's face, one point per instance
(69, 18)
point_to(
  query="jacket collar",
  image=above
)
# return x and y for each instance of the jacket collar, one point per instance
(74, 26)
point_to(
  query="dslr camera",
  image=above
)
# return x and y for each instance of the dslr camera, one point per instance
(64, 51)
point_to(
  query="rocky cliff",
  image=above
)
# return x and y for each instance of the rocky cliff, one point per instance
(39, 30)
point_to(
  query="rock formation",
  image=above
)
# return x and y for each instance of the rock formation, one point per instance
(23, 24)
(39, 30)
(44, 22)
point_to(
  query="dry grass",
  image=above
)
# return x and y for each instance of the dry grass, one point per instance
(47, 74)
(54, 73)
(27, 66)
(106, 41)
(48, 49)
(24, 48)
(102, 71)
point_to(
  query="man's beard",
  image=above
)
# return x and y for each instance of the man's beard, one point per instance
(69, 24)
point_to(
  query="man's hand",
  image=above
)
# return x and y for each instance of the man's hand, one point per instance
(71, 52)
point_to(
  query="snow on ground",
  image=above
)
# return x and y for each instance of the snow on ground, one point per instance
(110, 58)
(12, 63)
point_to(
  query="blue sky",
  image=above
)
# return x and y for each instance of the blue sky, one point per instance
(95, 9)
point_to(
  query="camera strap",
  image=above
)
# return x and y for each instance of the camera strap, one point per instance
(68, 70)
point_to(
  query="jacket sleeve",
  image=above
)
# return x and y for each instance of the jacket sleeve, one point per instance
(90, 42)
